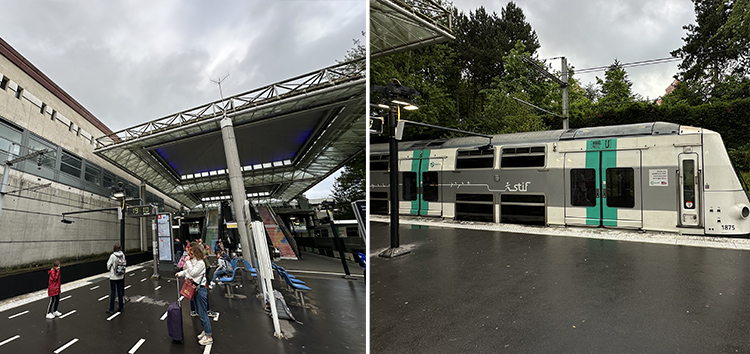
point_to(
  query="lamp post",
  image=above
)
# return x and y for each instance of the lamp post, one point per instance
(119, 194)
(397, 96)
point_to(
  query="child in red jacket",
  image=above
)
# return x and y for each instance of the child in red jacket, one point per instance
(53, 290)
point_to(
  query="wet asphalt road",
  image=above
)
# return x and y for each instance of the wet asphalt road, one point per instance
(463, 291)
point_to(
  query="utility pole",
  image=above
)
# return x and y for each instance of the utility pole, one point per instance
(562, 82)
(565, 92)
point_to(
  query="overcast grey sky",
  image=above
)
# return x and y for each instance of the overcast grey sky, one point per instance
(130, 62)
(592, 33)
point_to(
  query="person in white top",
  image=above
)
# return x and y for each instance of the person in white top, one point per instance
(195, 269)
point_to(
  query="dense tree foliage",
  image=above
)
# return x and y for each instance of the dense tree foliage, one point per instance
(716, 53)
(348, 187)
(616, 87)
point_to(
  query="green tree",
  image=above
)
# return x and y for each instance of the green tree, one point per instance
(482, 41)
(616, 88)
(349, 186)
(716, 53)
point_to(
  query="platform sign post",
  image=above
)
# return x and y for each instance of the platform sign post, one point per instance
(265, 273)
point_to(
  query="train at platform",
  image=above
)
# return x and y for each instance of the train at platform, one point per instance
(653, 176)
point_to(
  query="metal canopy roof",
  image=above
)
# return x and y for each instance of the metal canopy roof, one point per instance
(396, 26)
(290, 136)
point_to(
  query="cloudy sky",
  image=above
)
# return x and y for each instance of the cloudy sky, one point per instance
(593, 33)
(130, 62)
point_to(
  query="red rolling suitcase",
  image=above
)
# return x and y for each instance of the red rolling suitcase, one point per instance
(174, 317)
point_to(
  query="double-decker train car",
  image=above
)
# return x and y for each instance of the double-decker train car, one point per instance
(652, 176)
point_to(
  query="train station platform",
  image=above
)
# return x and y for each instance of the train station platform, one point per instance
(463, 290)
(332, 320)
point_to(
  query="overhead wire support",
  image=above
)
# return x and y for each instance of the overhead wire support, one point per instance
(563, 82)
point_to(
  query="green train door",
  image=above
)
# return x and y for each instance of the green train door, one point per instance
(420, 185)
(603, 186)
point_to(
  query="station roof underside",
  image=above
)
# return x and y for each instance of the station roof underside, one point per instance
(397, 27)
(290, 136)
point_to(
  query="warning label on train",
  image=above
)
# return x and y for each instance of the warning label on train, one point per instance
(658, 178)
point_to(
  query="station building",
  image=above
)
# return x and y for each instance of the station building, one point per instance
(37, 114)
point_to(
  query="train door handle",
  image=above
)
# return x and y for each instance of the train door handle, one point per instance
(597, 193)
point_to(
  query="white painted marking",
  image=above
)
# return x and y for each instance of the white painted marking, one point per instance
(103, 297)
(10, 339)
(96, 287)
(69, 313)
(67, 297)
(18, 314)
(140, 298)
(157, 288)
(132, 274)
(207, 349)
(73, 341)
(164, 316)
(142, 280)
(143, 270)
(113, 316)
(128, 287)
(136, 346)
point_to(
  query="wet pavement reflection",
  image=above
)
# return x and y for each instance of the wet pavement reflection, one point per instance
(461, 291)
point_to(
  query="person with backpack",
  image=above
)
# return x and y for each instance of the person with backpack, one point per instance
(116, 266)
(53, 290)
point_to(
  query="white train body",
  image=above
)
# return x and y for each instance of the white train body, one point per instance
(652, 176)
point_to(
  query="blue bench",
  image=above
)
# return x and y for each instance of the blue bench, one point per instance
(299, 289)
(249, 268)
(292, 277)
(227, 281)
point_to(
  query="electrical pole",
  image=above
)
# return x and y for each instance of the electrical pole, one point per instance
(565, 93)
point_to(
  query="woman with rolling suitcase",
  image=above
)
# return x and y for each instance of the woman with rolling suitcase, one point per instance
(195, 270)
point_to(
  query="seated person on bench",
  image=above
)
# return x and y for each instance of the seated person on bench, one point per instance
(223, 269)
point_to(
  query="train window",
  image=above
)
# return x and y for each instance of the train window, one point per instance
(430, 186)
(379, 195)
(478, 158)
(522, 209)
(620, 187)
(688, 183)
(583, 187)
(475, 207)
(522, 157)
(379, 163)
(410, 186)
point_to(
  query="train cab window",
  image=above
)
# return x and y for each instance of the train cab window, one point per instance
(410, 186)
(430, 186)
(476, 158)
(620, 190)
(583, 187)
(523, 157)
(688, 183)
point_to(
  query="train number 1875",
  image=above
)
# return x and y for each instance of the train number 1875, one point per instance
(727, 227)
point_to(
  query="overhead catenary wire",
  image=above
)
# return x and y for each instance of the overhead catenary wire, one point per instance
(629, 65)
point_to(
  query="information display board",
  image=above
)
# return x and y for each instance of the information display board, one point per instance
(140, 210)
(164, 234)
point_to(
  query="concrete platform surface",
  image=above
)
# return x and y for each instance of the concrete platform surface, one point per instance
(333, 320)
(472, 291)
